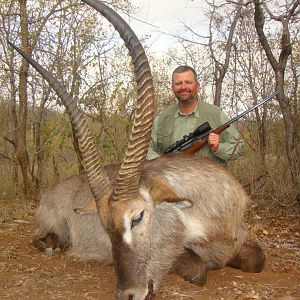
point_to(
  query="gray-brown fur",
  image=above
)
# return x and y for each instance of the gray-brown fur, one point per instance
(218, 206)
(84, 233)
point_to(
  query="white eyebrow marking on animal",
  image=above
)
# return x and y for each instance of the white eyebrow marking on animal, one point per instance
(127, 235)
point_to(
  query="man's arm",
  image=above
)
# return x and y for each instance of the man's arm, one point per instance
(152, 154)
(231, 145)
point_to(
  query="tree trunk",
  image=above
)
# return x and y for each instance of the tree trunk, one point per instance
(21, 130)
(279, 69)
(290, 132)
(221, 68)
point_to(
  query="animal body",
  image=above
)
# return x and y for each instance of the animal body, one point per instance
(176, 213)
(202, 229)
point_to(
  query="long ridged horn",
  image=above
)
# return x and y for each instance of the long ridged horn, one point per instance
(128, 178)
(98, 180)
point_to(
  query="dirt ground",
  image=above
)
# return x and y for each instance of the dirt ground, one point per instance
(26, 273)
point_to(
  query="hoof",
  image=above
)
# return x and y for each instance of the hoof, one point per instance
(191, 268)
(49, 252)
(251, 258)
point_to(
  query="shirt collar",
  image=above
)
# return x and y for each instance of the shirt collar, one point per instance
(195, 112)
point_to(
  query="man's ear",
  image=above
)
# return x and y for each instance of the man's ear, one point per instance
(161, 191)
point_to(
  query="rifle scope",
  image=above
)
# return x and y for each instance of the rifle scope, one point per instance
(200, 130)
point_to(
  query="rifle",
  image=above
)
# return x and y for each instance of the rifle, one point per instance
(197, 139)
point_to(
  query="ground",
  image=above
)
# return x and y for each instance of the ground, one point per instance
(26, 273)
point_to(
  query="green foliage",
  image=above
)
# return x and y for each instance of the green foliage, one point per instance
(57, 143)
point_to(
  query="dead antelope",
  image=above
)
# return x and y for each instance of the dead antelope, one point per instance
(177, 213)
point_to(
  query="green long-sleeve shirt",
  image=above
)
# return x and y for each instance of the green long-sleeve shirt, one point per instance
(171, 125)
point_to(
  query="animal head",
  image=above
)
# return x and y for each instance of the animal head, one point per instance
(138, 241)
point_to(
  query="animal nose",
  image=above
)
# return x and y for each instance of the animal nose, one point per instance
(133, 294)
(142, 293)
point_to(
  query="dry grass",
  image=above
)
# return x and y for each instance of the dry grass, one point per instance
(268, 184)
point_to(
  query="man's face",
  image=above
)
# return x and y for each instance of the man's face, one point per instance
(185, 87)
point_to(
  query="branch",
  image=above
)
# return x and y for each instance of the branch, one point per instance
(259, 19)
(210, 40)
(286, 45)
(230, 37)
(195, 33)
(272, 16)
(293, 11)
(239, 3)
(9, 158)
(10, 141)
(185, 39)
(44, 21)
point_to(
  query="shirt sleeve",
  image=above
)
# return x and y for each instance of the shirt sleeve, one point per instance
(231, 145)
(152, 154)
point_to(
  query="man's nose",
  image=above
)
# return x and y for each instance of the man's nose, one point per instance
(183, 86)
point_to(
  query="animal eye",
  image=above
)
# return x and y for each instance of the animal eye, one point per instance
(137, 220)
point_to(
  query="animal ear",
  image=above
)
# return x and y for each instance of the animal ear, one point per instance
(100, 207)
(103, 209)
(89, 208)
(161, 191)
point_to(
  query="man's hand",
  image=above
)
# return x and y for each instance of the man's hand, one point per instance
(213, 141)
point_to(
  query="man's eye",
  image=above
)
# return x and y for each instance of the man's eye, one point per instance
(137, 220)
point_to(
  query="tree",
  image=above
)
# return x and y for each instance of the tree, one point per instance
(28, 42)
(279, 65)
(252, 80)
(78, 47)
(222, 48)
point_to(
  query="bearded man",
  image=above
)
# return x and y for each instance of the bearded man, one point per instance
(180, 119)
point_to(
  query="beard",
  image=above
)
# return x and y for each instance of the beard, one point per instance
(186, 100)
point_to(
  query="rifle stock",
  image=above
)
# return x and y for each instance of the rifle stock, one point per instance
(202, 142)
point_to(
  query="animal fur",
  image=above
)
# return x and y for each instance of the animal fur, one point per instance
(207, 225)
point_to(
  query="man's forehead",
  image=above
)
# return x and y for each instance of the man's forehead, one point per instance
(183, 76)
(187, 78)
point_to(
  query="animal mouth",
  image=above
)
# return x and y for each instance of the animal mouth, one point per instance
(136, 295)
(151, 293)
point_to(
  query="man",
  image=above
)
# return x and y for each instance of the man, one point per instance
(178, 120)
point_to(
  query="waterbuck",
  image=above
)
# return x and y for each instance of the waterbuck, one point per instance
(177, 213)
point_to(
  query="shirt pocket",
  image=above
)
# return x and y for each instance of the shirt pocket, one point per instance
(164, 139)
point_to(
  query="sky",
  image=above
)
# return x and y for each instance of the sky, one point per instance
(166, 17)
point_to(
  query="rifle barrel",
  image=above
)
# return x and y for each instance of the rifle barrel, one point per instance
(250, 109)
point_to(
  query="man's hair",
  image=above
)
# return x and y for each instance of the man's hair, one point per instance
(182, 69)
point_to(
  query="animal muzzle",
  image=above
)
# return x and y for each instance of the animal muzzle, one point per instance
(137, 293)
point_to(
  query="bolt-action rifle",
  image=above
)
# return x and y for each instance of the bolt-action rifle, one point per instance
(199, 137)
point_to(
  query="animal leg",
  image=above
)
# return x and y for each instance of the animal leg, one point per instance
(50, 241)
(251, 258)
(191, 268)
